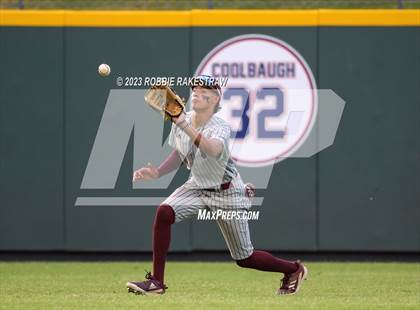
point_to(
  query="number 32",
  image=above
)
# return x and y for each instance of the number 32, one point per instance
(262, 93)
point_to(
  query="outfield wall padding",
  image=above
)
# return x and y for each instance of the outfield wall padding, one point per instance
(360, 194)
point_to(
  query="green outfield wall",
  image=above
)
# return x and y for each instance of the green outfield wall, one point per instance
(360, 194)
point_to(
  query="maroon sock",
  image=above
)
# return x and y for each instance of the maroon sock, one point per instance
(264, 261)
(165, 217)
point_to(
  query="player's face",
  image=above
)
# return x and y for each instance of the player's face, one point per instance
(203, 98)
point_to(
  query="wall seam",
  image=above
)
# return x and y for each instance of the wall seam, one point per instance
(317, 186)
(64, 142)
(190, 35)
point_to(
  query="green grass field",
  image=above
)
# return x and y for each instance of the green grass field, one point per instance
(63, 285)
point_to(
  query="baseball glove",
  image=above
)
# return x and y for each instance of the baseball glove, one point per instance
(164, 100)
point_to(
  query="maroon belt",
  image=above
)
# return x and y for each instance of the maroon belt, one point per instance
(222, 187)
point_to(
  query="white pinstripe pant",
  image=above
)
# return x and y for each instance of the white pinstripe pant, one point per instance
(187, 200)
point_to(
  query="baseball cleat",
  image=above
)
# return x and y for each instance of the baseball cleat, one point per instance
(149, 286)
(291, 282)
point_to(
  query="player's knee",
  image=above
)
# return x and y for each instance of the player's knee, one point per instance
(165, 214)
(245, 263)
(242, 263)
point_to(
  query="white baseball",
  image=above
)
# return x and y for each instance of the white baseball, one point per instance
(104, 70)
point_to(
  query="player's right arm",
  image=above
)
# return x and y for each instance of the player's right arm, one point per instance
(172, 162)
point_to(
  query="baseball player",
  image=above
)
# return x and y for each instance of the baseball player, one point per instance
(200, 140)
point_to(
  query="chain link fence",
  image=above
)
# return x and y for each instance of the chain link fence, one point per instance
(208, 4)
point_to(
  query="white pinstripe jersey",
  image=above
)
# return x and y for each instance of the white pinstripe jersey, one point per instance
(206, 171)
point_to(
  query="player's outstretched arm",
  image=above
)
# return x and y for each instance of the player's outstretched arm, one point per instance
(172, 162)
